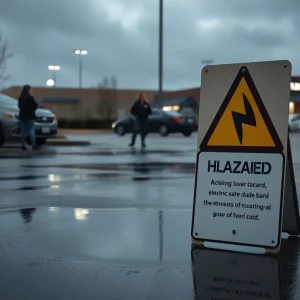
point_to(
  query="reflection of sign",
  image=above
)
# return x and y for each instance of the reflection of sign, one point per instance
(241, 162)
(229, 275)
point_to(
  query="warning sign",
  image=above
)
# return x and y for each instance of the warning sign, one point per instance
(236, 194)
(240, 172)
(242, 122)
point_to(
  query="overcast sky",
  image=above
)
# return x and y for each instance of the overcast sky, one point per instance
(122, 38)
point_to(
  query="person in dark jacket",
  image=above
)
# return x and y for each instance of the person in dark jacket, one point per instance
(140, 110)
(27, 106)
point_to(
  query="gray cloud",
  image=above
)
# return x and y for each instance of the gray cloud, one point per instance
(122, 38)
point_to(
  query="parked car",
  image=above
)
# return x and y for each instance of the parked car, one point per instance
(45, 125)
(162, 122)
(294, 122)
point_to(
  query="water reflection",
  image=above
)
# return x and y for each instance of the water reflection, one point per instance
(26, 214)
(289, 262)
(141, 170)
(53, 209)
(55, 186)
(230, 275)
(81, 213)
(54, 178)
(133, 151)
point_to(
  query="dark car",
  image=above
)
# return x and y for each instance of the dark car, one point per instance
(162, 122)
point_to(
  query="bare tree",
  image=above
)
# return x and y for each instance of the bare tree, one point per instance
(107, 97)
(5, 55)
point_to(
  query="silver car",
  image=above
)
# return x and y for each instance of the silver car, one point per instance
(46, 124)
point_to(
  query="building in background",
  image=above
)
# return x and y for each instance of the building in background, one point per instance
(92, 103)
(110, 103)
(295, 95)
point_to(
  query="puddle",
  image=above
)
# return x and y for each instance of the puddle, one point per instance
(27, 213)
(137, 167)
(131, 254)
(25, 177)
(33, 188)
(126, 152)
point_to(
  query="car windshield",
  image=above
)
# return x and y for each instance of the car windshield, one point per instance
(156, 110)
(6, 101)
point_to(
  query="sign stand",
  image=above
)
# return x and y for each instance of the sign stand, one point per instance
(291, 219)
(241, 164)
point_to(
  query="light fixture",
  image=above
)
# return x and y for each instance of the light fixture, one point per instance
(80, 52)
(292, 107)
(50, 82)
(54, 68)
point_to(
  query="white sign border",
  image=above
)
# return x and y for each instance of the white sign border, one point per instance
(280, 224)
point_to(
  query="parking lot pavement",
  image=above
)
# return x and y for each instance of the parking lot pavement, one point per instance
(106, 221)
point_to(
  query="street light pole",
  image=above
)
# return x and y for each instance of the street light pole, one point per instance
(80, 53)
(80, 72)
(160, 52)
(54, 69)
(54, 77)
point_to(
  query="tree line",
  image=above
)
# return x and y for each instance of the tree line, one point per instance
(5, 55)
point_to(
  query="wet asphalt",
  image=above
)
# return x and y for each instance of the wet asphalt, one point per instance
(108, 222)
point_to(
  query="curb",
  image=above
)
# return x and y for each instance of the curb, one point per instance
(65, 143)
(58, 143)
(84, 131)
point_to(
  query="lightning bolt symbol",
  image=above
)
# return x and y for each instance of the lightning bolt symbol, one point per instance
(239, 119)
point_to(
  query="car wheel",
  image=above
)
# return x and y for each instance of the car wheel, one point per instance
(120, 130)
(187, 133)
(1, 137)
(163, 130)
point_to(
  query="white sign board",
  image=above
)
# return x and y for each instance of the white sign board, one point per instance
(240, 193)
(242, 138)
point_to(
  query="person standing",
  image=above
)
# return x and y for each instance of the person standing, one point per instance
(27, 106)
(141, 109)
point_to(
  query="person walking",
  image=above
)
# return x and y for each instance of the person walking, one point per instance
(27, 106)
(141, 109)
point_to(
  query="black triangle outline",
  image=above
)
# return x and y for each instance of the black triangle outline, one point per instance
(243, 73)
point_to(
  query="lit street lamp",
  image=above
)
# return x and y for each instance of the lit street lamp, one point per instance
(50, 82)
(80, 53)
(54, 69)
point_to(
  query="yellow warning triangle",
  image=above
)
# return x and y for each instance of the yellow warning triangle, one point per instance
(242, 122)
